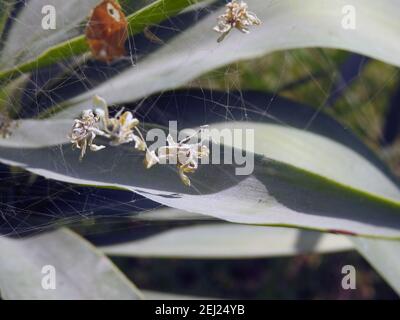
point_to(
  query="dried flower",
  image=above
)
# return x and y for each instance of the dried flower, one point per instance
(84, 131)
(119, 129)
(123, 128)
(151, 159)
(186, 155)
(5, 125)
(235, 16)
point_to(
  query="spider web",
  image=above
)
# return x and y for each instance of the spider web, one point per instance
(30, 204)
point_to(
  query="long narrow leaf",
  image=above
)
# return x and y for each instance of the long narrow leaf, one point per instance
(300, 178)
(81, 272)
(287, 24)
(227, 241)
(47, 54)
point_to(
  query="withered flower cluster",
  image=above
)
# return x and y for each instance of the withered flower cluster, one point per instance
(6, 125)
(123, 128)
(236, 16)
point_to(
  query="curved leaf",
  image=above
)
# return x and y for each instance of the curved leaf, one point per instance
(94, 277)
(287, 24)
(26, 38)
(383, 256)
(52, 50)
(35, 134)
(5, 11)
(300, 179)
(227, 241)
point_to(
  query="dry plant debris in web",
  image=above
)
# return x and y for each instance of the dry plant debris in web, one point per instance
(6, 125)
(123, 129)
(236, 16)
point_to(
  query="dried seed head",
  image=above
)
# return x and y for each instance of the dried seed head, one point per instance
(151, 159)
(123, 128)
(119, 130)
(84, 131)
(185, 155)
(236, 16)
(5, 125)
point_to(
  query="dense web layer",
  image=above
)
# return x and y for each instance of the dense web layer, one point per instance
(31, 203)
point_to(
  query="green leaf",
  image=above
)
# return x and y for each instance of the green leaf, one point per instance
(287, 24)
(384, 256)
(30, 133)
(81, 271)
(226, 241)
(167, 214)
(11, 95)
(5, 10)
(27, 39)
(300, 179)
(41, 56)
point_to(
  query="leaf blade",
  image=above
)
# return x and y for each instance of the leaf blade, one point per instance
(226, 241)
(286, 25)
(137, 22)
(94, 277)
